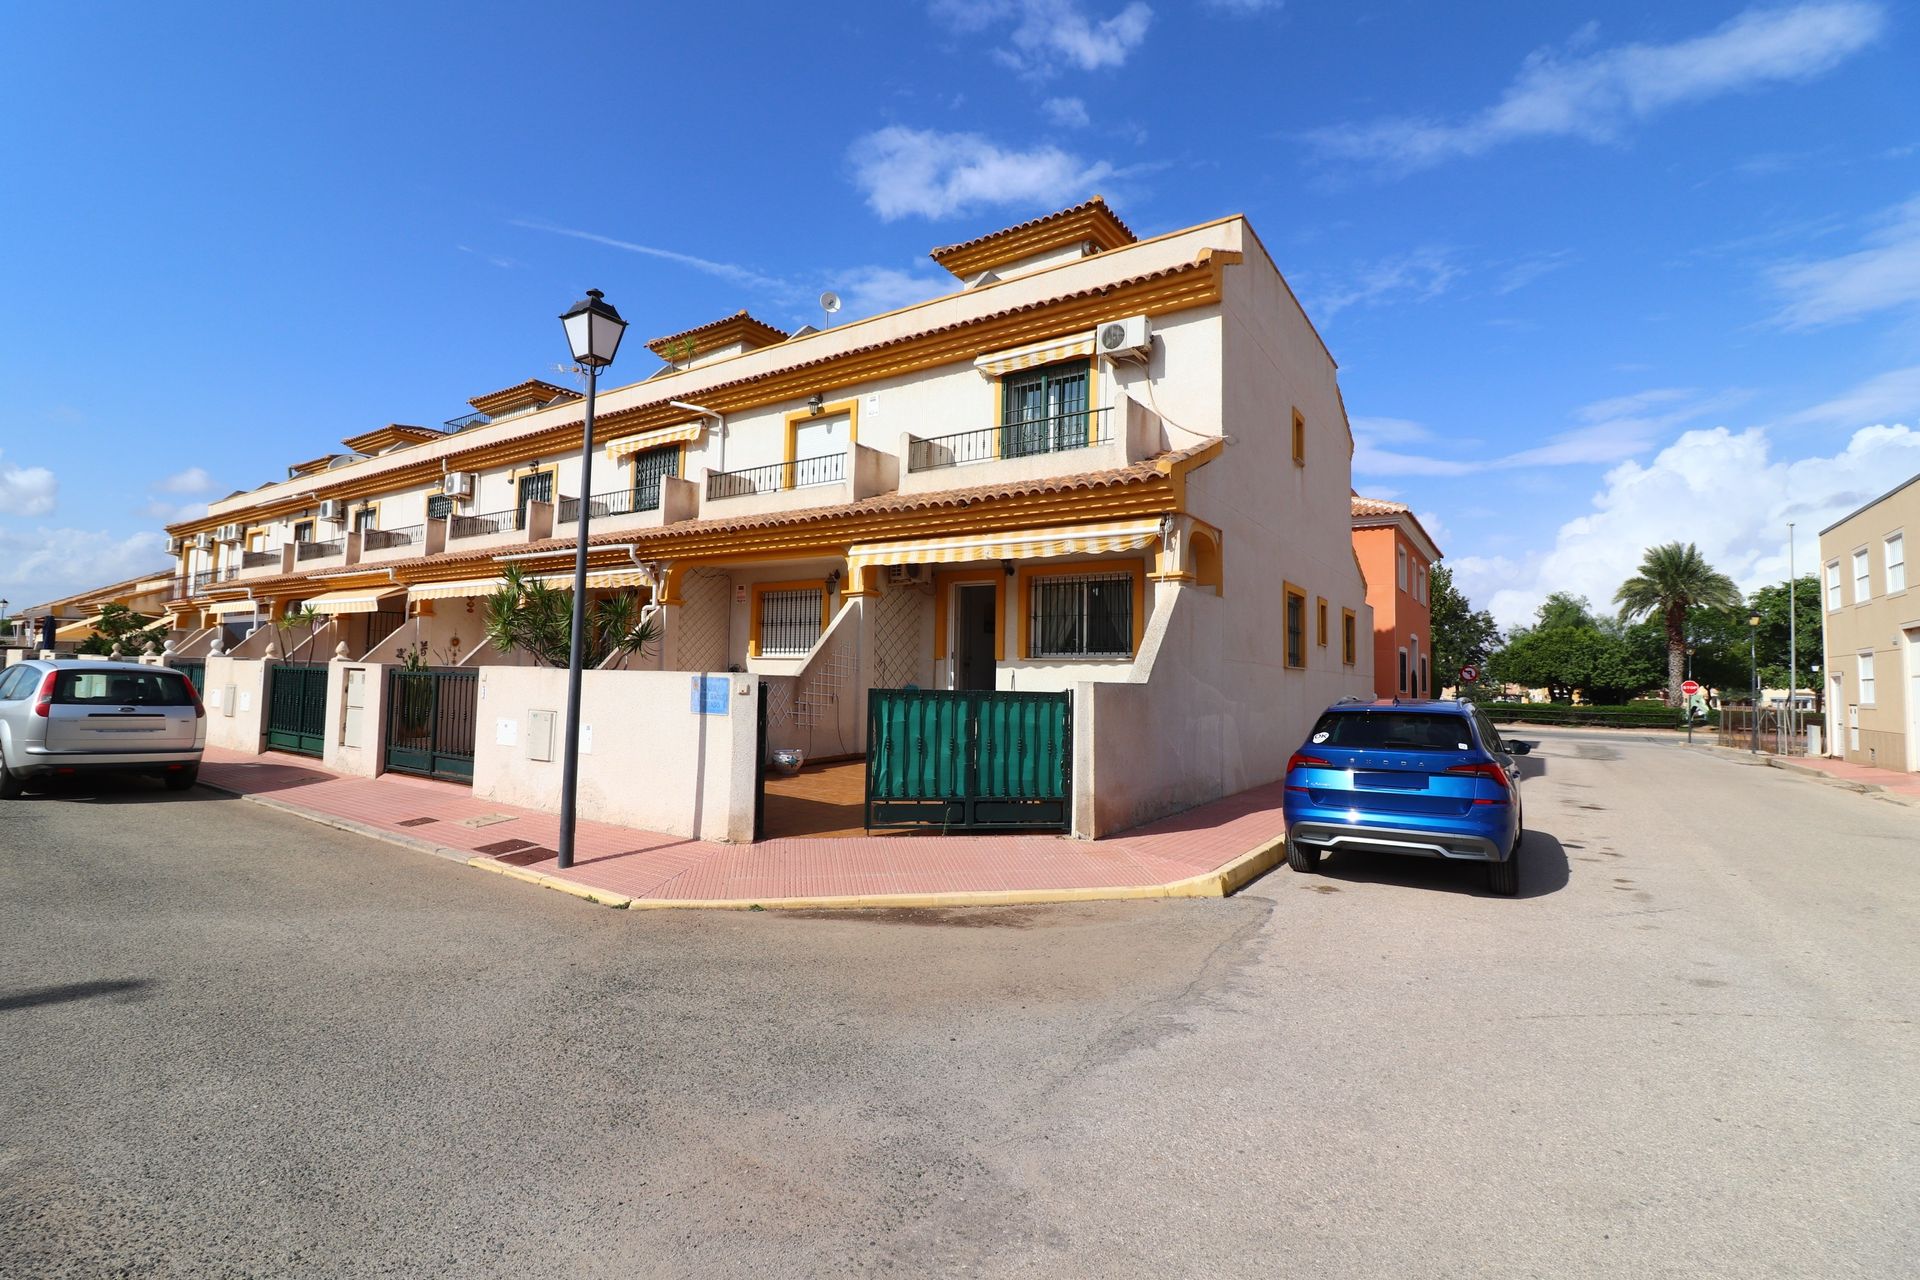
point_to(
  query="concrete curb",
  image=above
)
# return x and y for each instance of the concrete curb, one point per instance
(1221, 882)
(1785, 765)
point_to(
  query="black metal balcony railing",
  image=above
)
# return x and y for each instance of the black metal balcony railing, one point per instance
(798, 474)
(466, 420)
(620, 502)
(207, 577)
(260, 559)
(1025, 437)
(319, 550)
(383, 539)
(477, 526)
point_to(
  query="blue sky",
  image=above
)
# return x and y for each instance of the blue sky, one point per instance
(1597, 276)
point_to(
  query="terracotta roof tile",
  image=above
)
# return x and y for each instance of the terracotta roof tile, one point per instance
(1088, 220)
(1379, 507)
(521, 395)
(738, 327)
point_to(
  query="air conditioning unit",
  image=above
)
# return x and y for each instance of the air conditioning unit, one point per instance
(332, 509)
(1129, 339)
(176, 545)
(901, 573)
(204, 541)
(229, 533)
(457, 484)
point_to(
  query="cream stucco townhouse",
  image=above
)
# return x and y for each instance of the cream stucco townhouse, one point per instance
(1872, 634)
(1099, 466)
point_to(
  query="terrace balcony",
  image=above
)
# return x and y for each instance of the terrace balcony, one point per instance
(827, 481)
(330, 553)
(666, 501)
(410, 542)
(1074, 443)
(485, 530)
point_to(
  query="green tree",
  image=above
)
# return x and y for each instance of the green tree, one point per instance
(1771, 604)
(528, 615)
(1461, 633)
(1673, 580)
(1567, 649)
(120, 626)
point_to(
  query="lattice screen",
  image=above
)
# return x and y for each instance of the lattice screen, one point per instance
(703, 622)
(898, 641)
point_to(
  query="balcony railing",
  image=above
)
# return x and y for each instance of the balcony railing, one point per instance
(801, 473)
(1019, 439)
(259, 559)
(207, 577)
(319, 550)
(466, 420)
(383, 539)
(480, 525)
(620, 502)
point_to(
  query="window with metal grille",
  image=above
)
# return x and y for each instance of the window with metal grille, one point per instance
(649, 469)
(439, 507)
(534, 488)
(1296, 654)
(1082, 616)
(789, 622)
(1042, 410)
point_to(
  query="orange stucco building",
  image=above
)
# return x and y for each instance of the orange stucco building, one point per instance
(1397, 558)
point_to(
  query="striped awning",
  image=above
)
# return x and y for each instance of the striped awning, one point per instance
(1017, 544)
(600, 580)
(1035, 354)
(455, 590)
(227, 608)
(630, 445)
(362, 600)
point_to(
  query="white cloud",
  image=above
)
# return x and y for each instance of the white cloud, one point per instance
(1611, 429)
(1045, 34)
(163, 512)
(1067, 113)
(1883, 275)
(1688, 493)
(870, 290)
(1520, 274)
(905, 172)
(724, 270)
(1595, 96)
(1418, 275)
(26, 491)
(1884, 397)
(192, 480)
(46, 564)
(1244, 8)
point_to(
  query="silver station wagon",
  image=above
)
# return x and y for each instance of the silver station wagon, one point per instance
(69, 717)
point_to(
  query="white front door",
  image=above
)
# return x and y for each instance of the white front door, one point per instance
(1913, 700)
(1835, 692)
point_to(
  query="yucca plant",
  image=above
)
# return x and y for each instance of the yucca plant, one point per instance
(528, 615)
(1672, 580)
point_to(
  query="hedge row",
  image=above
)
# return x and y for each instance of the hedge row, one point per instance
(1640, 716)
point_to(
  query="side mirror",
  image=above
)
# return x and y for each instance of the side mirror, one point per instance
(1518, 748)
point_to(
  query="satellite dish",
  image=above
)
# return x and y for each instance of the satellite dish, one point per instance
(829, 302)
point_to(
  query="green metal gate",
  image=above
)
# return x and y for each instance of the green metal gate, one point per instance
(297, 707)
(431, 718)
(969, 760)
(196, 671)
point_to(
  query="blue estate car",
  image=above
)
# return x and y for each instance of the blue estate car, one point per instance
(1426, 779)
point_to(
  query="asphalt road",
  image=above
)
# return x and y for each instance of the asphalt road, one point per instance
(233, 1043)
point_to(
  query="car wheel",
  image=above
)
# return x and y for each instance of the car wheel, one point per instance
(10, 784)
(1504, 877)
(1303, 858)
(184, 778)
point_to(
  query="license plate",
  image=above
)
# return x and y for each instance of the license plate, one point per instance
(1390, 781)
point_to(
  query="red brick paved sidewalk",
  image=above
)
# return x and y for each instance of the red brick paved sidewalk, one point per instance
(1901, 785)
(620, 863)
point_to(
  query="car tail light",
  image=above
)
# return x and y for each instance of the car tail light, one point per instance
(1490, 771)
(43, 700)
(199, 707)
(1301, 760)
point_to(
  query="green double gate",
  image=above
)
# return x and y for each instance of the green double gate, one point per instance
(297, 707)
(966, 761)
(431, 721)
(196, 671)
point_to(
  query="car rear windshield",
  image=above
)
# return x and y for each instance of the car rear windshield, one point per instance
(1393, 731)
(122, 689)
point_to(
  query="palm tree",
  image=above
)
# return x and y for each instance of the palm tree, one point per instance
(1672, 580)
(528, 615)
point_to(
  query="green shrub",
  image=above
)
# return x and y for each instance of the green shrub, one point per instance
(1639, 716)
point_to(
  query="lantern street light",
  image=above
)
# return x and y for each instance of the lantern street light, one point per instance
(593, 332)
(1753, 657)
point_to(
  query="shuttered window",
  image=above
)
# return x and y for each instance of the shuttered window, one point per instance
(534, 488)
(1082, 616)
(790, 622)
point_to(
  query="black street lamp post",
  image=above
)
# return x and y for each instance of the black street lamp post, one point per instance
(1753, 658)
(593, 332)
